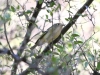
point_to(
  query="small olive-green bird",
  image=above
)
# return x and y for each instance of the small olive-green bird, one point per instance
(50, 35)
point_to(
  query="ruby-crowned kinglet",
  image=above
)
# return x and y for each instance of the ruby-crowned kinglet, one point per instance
(50, 35)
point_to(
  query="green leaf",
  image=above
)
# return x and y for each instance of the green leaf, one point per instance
(98, 66)
(12, 9)
(59, 46)
(52, 4)
(71, 38)
(69, 45)
(7, 17)
(75, 35)
(46, 16)
(90, 57)
(70, 11)
(68, 19)
(1, 17)
(77, 42)
(29, 45)
(18, 7)
(51, 13)
(48, 11)
(28, 12)
(82, 15)
(55, 53)
(54, 59)
(86, 64)
(58, 7)
(40, 1)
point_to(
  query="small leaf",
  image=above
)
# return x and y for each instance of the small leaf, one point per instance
(58, 7)
(51, 13)
(29, 45)
(91, 57)
(77, 42)
(68, 19)
(40, 1)
(18, 7)
(12, 9)
(55, 53)
(69, 45)
(28, 12)
(1, 17)
(59, 46)
(7, 17)
(46, 16)
(70, 12)
(48, 11)
(75, 35)
(98, 65)
(59, 50)
(86, 64)
(54, 59)
(52, 4)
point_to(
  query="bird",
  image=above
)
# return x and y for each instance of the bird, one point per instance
(50, 35)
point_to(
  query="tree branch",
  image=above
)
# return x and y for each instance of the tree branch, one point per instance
(27, 36)
(30, 28)
(11, 51)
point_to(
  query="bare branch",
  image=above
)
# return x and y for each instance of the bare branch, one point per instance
(11, 51)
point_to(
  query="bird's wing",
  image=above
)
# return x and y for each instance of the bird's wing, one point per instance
(41, 36)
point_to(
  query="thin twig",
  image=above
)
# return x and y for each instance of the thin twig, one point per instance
(5, 31)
